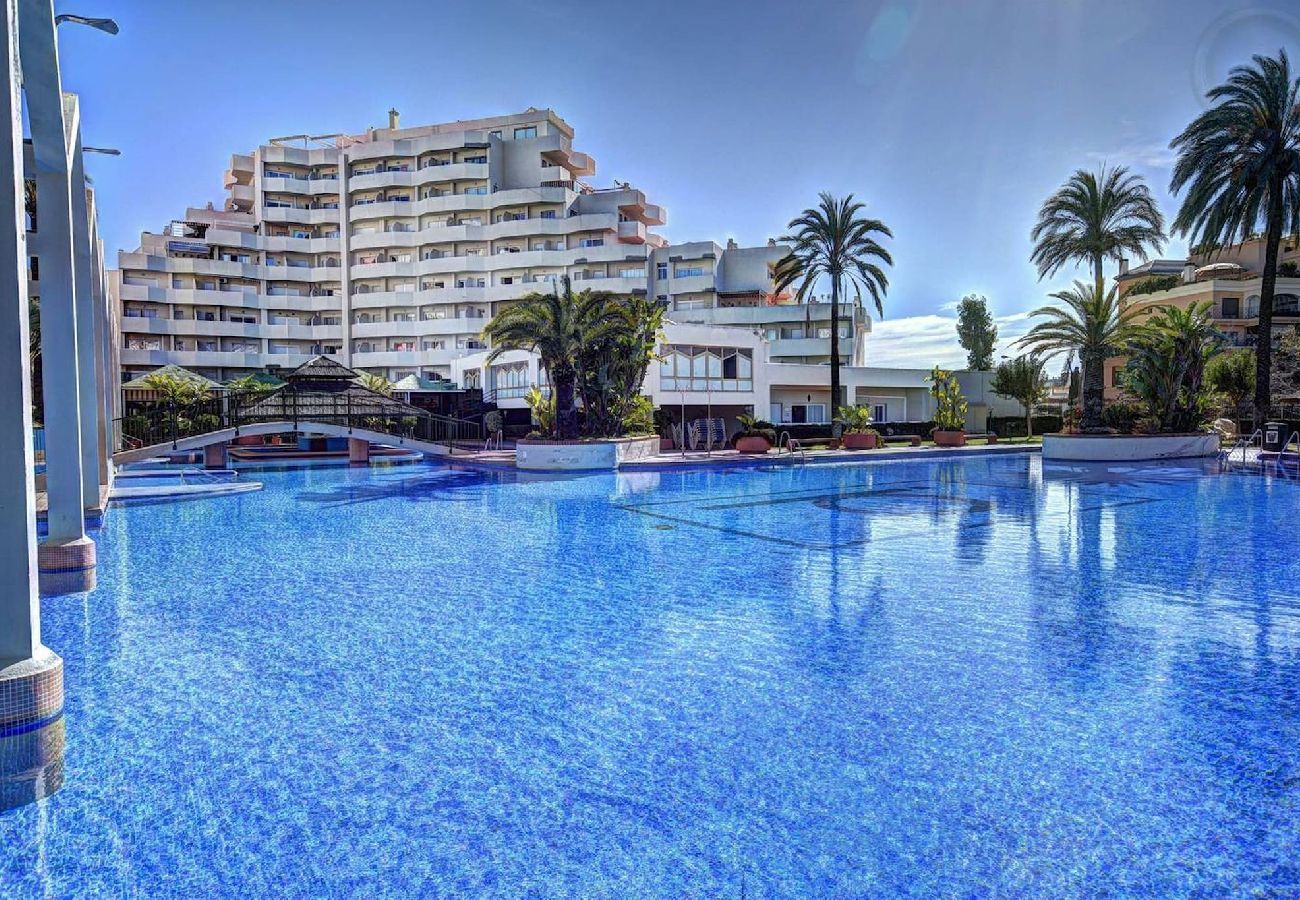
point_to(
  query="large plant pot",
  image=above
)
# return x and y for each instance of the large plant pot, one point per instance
(950, 439)
(859, 441)
(752, 444)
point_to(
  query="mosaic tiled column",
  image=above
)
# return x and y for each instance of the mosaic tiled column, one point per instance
(31, 676)
(66, 549)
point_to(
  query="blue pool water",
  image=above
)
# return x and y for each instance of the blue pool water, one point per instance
(956, 678)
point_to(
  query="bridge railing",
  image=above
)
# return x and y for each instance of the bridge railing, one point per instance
(168, 422)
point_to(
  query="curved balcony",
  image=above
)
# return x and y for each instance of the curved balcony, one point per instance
(420, 328)
(458, 203)
(386, 358)
(300, 215)
(415, 177)
(301, 186)
(522, 228)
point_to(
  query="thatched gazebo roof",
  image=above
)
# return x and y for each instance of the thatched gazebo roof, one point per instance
(323, 388)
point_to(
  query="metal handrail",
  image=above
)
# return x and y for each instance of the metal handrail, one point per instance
(1245, 443)
(791, 444)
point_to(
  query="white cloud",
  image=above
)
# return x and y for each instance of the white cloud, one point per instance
(922, 342)
(1151, 155)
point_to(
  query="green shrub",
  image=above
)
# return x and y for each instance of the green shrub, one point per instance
(1155, 284)
(1122, 415)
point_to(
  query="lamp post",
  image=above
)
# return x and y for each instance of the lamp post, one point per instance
(105, 25)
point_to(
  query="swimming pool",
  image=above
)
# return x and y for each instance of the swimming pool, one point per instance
(968, 677)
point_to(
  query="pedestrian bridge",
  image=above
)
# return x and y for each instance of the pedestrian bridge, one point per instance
(333, 429)
(319, 397)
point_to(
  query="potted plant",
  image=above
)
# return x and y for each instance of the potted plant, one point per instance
(949, 409)
(858, 433)
(755, 435)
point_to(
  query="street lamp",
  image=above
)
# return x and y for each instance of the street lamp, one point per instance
(108, 26)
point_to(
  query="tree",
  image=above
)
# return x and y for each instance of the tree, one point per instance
(558, 327)
(176, 390)
(611, 371)
(1166, 366)
(1286, 367)
(1240, 163)
(1093, 324)
(377, 383)
(1022, 379)
(834, 239)
(976, 332)
(1233, 375)
(1095, 217)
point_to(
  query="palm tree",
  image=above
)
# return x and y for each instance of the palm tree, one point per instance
(834, 239)
(1095, 217)
(377, 383)
(1240, 161)
(1167, 362)
(1092, 324)
(557, 327)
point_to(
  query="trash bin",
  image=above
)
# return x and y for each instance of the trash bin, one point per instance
(1275, 435)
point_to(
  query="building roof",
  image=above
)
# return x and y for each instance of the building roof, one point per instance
(139, 384)
(414, 383)
(322, 368)
(1154, 267)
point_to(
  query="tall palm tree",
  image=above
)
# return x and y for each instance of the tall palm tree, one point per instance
(1092, 324)
(834, 239)
(1240, 161)
(557, 327)
(1095, 217)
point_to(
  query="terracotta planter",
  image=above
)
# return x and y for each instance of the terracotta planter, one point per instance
(950, 438)
(752, 444)
(993, 439)
(859, 441)
(916, 440)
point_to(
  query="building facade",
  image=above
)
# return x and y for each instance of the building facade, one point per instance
(390, 251)
(1230, 280)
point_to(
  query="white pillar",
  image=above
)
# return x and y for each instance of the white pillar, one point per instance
(88, 390)
(31, 677)
(66, 548)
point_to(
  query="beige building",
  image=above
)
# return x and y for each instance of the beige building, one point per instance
(1230, 280)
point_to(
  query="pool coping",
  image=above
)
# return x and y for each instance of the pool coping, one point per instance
(182, 491)
(729, 459)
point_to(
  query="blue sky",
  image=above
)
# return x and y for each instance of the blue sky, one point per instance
(953, 120)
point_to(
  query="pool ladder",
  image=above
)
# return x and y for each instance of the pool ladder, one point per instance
(792, 446)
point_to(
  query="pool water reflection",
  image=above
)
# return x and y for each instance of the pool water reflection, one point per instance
(966, 677)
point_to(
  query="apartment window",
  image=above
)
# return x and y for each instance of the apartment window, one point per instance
(476, 190)
(33, 268)
(690, 368)
(806, 413)
(1115, 376)
(661, 270)
(591, 242)
(528, 131)
(688, 271)
(547, 214)
(1231, 307)
(496, 134)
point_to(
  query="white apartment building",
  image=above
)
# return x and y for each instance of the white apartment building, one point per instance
(705, 284)
(390, 250)
(387, 250)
